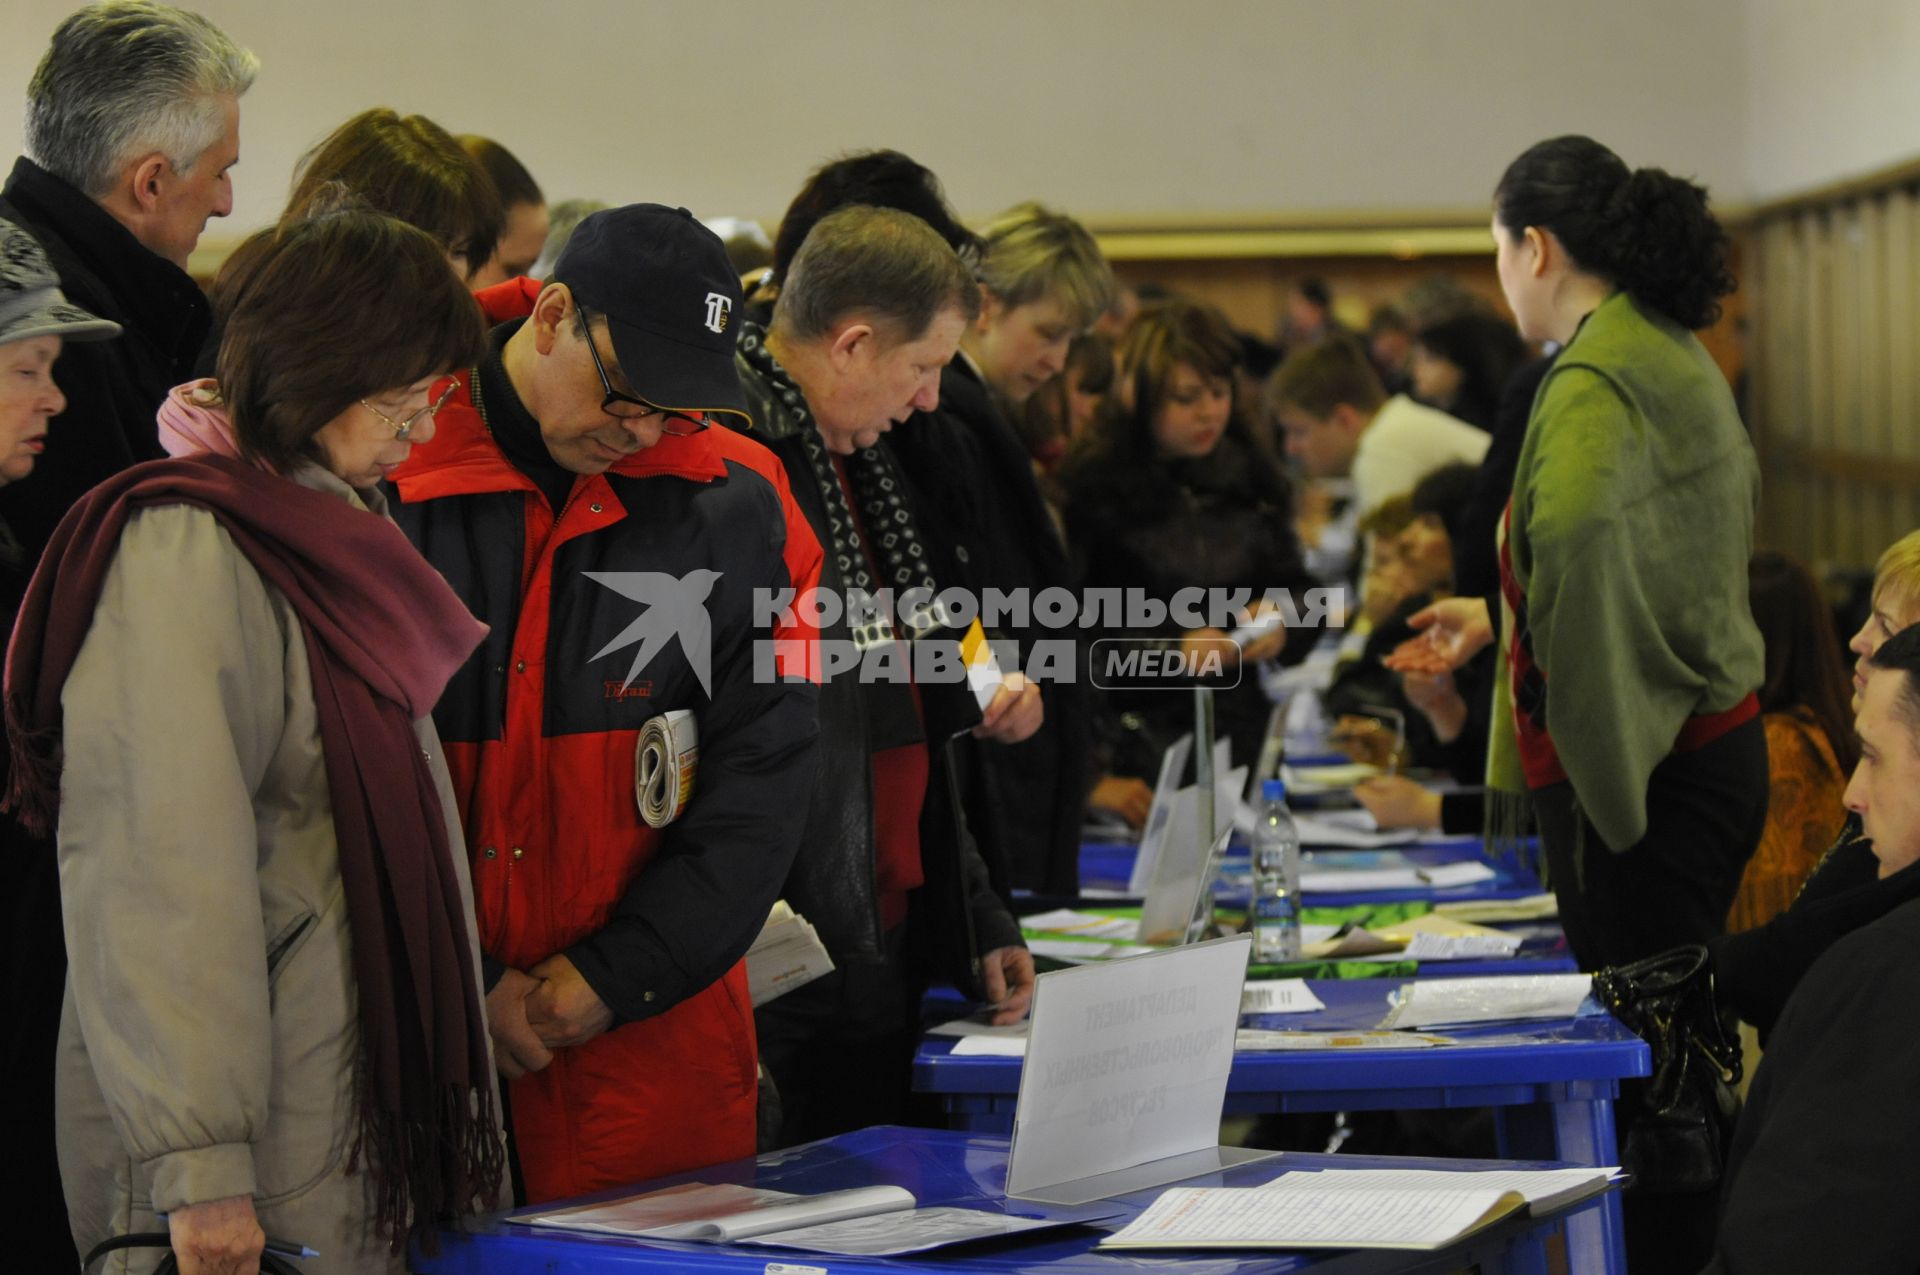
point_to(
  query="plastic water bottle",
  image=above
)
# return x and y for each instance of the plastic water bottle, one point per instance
(1276, 878)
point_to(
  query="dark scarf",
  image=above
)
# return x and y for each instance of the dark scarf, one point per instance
(896, 544)
(384, 633)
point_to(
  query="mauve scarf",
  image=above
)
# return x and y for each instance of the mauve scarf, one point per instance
(384, 633)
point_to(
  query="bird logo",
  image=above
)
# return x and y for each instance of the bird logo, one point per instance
(675, 607)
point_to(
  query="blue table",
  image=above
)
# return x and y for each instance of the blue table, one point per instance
(1106, 867)
(942, 1167)
(1551, 1084)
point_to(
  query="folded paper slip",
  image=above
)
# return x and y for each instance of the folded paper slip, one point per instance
(664, 761)
(787, 954)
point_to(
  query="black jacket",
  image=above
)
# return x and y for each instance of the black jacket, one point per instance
(956, 917)
(113, 388)
(1223, 522)
(981, 506)
(1756, 971)
(1818, 1176)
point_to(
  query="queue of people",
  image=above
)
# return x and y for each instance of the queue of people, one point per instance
(331, 666)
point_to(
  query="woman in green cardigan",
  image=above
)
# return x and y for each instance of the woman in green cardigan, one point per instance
(1625, 709)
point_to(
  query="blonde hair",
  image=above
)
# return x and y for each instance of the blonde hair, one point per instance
(1032, 252)
(1390, 517)
(1897, 575)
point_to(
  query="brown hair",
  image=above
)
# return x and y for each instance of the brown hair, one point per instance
(328, 311)
(886, 265)
(1805, 667)
(510, 178)
(406, 167)
(1325, 375)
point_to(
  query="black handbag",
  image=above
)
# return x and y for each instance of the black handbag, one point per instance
(1677, 1139)
(270, 1264)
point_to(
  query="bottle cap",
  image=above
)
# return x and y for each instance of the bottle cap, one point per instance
(1273, 790)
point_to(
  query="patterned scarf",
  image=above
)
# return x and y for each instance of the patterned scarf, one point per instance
(877, 487)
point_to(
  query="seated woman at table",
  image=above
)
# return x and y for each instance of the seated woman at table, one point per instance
(1171, 492)
(1811, 746)
(1445, 713)
(1756, 970)
(220, 683)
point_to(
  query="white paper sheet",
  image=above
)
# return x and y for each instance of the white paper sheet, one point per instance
(1278, 996)
(1249, 1217)
(914, 1231)
(1441, 1002)
(698, 1211)
(1127, 1063)
(990, 1047)
(1537, 1186)
(1160, 815)
(1080, 952)
(1256, 1038)
(1460, 947)
(1359, 880)
(1324, 830)
(1467, 872)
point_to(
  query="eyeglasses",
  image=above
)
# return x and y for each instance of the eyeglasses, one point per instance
(403, 430)
(671, 421)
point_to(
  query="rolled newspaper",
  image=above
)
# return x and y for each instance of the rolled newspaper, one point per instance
(664, 760)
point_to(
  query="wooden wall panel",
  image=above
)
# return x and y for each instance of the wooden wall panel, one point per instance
(1836, 372)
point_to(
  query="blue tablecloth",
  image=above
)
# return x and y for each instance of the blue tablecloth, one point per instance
(948, 1168)
(1552, 1084)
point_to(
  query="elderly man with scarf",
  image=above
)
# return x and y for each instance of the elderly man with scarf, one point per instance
(872, 310)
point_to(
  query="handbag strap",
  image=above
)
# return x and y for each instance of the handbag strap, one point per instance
(270, 1263)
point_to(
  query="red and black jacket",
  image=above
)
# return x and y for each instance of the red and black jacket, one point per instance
(540, 729)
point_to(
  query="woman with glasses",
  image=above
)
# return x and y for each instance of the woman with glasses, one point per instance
(220, 690)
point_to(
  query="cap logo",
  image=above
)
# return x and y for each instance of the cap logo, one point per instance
(719, 306)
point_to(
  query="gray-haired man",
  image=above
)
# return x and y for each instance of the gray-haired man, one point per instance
(133, 119)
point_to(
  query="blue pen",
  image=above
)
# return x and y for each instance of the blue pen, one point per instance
(281, 1248)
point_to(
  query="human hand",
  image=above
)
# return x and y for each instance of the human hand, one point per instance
(1008, 973)
(217, 1237)
(516, 1046)
(1435, 695)
(563, 1010)
(1395, 801)
(1126, 796)
(1198, 646)
(1015, 712)
(1367, 739)
(1452, 631)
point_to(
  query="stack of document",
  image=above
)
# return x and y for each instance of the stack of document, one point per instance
(862, 1221)
(788, 954)
(1354, 1208)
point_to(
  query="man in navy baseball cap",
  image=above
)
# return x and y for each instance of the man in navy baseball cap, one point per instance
(615, 546)
(669, 295)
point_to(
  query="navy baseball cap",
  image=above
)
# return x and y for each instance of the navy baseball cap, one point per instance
(672, 302)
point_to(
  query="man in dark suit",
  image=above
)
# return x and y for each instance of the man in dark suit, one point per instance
(133, 120)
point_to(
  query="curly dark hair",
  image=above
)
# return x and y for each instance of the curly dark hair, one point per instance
(1646, 231)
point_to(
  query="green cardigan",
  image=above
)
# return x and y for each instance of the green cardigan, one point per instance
(1632, 523)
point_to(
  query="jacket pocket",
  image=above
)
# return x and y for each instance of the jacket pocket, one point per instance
(316, 1040)
(286, 943)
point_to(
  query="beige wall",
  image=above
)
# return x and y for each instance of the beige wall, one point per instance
(1111, 108)
(1832, 91)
